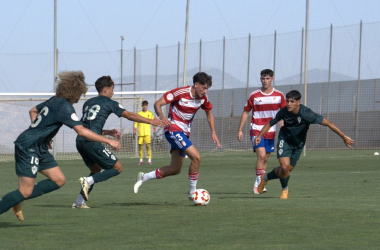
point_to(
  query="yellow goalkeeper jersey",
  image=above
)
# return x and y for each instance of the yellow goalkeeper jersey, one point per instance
(144, 128)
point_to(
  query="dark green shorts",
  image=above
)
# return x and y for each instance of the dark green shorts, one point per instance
(32, 160)
(94, 152)
(285, 149)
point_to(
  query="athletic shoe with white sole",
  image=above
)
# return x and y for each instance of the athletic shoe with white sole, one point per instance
(18, 212)
(83, 205)
(256, 191)
(262, 184)
(284, 194)
(139, 182)
(84, 187)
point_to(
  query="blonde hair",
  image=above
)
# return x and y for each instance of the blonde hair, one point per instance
(71, 85)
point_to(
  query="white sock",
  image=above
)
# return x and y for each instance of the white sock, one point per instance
(141, 159)
(258, 180)
(285, 188)
(90, 180)
(192, 186)
(149, 176)
(80, 200)
(149, 160)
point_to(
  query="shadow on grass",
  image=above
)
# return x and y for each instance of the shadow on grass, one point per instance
(15, 224)
(246, 197)
(51, 206)
(128, 204)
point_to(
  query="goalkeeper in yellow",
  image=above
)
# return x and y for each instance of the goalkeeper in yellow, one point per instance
(144, 132)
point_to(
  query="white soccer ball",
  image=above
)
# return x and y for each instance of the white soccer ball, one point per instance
(200, 197)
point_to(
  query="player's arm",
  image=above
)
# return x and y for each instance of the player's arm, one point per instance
(243, 119)
(157, 108)
(263, 131)
(138, 118)
(88, 134)
(211, 122)
(347, 140)
(33, 114)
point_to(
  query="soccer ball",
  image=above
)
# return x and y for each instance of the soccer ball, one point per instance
(200, 197)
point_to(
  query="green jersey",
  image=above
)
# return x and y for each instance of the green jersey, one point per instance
(296, 126)
(51, 115)
(96, 111)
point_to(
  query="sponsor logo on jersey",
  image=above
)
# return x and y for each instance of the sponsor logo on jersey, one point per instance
(170, 97)
(74, 117)
(34, 169)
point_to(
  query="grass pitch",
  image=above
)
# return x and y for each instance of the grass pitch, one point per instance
(333, 204)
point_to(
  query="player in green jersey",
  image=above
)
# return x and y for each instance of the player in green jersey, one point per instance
(96, 157)
(32, 146)
(292, 137)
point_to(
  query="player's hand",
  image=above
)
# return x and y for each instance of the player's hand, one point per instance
(158, 123)
(115, 133)
(257, 140)
(50, 144)
(281, 123)
(166, 121)
(114, 144)
(240, 135)
(348, 141)
(215, 139)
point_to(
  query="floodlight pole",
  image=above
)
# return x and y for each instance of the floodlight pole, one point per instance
(306, 58)
(186, 39)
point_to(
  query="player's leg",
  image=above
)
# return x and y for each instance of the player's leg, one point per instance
(261, 162)
(195, 158)
(105, 159)
(80, 201)
(286, 166)
(14, 198)
(147, 142)
(141, 149)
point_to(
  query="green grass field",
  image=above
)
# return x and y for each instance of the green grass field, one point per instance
(333, 204)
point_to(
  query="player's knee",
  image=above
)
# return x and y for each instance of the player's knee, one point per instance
(196, 159)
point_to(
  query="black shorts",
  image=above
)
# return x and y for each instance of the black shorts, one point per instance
(94, 152)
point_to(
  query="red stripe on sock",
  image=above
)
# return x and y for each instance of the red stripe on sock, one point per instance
(158, 174)
(194, 176)
(260, 171)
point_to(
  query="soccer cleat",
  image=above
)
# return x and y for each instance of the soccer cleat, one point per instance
(140, 163)
(256, 191)
(284, 194)
(83, 205)
(18, 212)
(262, 184)
(84, 187)
(190, 196)
(139, 182)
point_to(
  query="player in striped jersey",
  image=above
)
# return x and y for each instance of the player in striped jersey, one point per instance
(184, 103)
(264, 103)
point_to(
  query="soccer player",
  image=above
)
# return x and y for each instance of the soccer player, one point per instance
(264, 103)
(292, 137)
(96, 157)
(31, 146)
(144, 133)
(184, 103)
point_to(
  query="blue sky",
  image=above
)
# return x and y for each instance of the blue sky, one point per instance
(96, 27)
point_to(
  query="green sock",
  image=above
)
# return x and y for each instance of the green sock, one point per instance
(10, 199)
(271, 175)
(43, 187)
(284, 182)
(105, 175)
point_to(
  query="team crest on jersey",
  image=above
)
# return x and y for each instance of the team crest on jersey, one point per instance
(299, 119)
(34, 169)
(113, 157)
(183, 143)
(74, 117)
(170, 97)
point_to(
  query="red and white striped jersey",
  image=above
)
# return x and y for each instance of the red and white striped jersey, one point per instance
(264, 107)
(183, 107)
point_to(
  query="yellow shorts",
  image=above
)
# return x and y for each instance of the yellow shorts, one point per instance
(144, 139)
